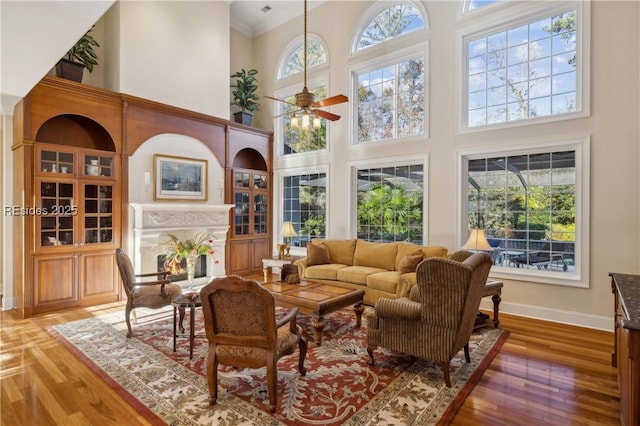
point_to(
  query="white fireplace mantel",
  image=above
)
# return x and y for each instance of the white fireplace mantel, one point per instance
(153, 222)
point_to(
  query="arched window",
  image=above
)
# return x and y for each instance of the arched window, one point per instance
(391, 23)
(470, 5)
(293, 61)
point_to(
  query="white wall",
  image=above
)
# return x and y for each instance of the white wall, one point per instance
(176, 53)
(612, 127)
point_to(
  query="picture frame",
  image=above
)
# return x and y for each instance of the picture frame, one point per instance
(179, 178)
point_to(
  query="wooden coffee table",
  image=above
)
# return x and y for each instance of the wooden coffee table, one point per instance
(316, 299)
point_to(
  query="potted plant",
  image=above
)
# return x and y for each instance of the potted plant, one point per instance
(244, 95)
(81, 55)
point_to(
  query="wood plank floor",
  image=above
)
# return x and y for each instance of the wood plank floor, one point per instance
(545, 374)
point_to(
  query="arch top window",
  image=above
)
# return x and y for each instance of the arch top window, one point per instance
(470, 5)
(390, 23)
(294, 63)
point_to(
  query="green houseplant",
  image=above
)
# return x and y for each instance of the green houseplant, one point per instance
(81, 55)
(244, 95)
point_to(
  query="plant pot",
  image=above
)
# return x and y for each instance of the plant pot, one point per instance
(243, 117)
(69, 70)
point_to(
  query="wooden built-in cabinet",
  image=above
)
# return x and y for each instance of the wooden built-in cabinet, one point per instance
(67, 167)
(249, 187)
(626, 354)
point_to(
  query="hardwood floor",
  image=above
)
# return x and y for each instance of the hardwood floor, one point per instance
(545, 374)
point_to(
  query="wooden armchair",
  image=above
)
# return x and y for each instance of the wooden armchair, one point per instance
(144, 294)
(437, 319)
(241, 326)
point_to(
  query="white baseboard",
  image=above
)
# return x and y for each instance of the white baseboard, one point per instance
(555, 315)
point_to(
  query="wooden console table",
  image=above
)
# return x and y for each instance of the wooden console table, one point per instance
(626, 346)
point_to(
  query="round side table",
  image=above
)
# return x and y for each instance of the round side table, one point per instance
(180, 304)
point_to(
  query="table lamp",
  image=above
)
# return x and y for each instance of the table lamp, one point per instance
(287, 232)
(477, 241)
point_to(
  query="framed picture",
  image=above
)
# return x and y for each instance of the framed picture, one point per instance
(179, 178)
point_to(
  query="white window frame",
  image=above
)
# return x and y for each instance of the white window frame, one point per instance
(578, 278)
(293, 45)
(354, 166)
(278, 190)
(511, 15)
(381, 62)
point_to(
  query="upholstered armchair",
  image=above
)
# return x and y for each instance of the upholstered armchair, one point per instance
(144, 294)
(241, 326)
(437, 319)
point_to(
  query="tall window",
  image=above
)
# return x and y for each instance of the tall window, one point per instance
(391, 101)
(304, 204)
(392, 22)
(390, 203)
(523, 72)
(528, 203)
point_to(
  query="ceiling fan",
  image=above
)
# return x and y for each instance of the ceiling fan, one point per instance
(305, 100)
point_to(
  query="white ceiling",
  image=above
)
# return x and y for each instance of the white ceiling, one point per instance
(248, 17)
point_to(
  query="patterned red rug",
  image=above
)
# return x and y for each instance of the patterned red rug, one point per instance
(339, 388)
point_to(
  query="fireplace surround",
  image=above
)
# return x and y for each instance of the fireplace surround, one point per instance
(153, 222)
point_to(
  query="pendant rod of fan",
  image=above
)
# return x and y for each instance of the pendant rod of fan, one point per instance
(305, 44)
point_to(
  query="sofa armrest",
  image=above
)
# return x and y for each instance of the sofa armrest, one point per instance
(402, 308)
(405, 283)
(302, 266)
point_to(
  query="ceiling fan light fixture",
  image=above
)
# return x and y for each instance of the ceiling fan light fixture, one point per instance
(316, 122)
(294, 122)
(305, 120)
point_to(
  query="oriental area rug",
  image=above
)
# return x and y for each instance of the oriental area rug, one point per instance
(340, 388)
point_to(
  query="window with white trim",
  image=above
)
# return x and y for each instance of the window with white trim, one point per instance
(390, 203)
(528, 71)
(294, 62)
(304, 204)
(392, 22)
(391, 100)
(530, 206)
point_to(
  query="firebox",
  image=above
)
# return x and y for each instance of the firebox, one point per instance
(179, 271)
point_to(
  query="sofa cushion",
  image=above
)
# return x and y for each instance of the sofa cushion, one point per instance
(427, 251)
(323, 272)
(385, 281)
(357, 274)
(375, 255)
(317, 254)
(409, 263)
(340, 251)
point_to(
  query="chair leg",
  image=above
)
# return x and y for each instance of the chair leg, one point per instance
(212, 375)
(370, 349)
(127, 313)
(272, 381)
(302, 347)
(445, 371)
(466, 352)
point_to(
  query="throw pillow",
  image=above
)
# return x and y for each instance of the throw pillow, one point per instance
(410, 262)
(317, 254)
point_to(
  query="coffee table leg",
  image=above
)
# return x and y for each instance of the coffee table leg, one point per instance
(318, 325)
(359, 309)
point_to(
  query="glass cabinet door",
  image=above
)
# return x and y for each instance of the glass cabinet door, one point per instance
(56, 213)
(98, 213)
(260, 214)
(55, 161)
(241, 213)
(97, 165)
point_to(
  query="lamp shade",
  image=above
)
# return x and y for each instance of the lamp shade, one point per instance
(477, 241)
(287, 230)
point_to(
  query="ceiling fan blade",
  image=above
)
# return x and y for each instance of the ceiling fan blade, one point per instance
(333, 100)
(326, 115)
(279, 100)
(286, 113)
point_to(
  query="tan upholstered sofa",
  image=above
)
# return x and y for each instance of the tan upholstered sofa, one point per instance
(381, 269)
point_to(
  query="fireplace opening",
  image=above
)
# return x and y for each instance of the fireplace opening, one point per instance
(178, 272)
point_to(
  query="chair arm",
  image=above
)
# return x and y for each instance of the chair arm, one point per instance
(161, 274)
(289, 317)
(401, 308)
